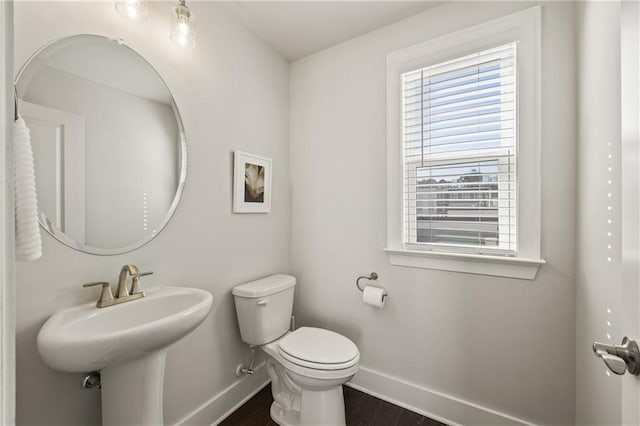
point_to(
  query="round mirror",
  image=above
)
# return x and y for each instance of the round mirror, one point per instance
(108, 142)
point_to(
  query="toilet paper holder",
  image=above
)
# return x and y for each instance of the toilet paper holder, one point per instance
(373, 276)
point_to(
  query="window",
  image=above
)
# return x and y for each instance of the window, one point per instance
(459, 142)
(463, 150)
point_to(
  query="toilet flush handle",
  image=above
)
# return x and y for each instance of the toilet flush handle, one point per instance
(262, 302)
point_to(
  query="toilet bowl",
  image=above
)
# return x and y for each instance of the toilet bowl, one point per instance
(307, 366)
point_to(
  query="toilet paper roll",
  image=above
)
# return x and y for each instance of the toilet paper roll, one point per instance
(374, 296)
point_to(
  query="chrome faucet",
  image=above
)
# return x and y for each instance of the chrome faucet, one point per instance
(122, 294)
(126, 270)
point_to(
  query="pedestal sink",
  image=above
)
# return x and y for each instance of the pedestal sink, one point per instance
(128, 344)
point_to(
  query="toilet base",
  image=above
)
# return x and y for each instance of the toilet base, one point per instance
(284, 417)
(319, 408)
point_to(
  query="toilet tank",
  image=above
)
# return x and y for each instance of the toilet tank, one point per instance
(264, 308)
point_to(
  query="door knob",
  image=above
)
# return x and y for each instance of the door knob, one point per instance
(619, 358)
(614, 363)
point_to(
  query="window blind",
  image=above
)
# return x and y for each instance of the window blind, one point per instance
(459, 142)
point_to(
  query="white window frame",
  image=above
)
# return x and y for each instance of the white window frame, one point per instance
(523, 27)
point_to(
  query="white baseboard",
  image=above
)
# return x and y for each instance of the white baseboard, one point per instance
(427, 402)
(220, 406)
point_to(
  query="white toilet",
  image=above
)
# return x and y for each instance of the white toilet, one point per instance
(307, 367)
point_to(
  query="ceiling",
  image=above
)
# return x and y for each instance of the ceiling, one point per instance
(296, 29)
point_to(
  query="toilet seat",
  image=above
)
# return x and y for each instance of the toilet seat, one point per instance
(318, 349)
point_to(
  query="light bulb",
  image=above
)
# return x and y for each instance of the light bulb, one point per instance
(181, 40)
(133, 10)
(182, 30)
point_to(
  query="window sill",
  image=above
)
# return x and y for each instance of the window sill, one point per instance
(499, 266)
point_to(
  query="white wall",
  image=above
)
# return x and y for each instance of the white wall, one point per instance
(598, 282)
(504, 344)
(226, 105)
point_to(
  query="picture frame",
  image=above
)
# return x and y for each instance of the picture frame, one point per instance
(251, 183)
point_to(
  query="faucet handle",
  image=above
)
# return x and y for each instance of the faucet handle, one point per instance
(135, 282)
(106, 297)
(102, 283)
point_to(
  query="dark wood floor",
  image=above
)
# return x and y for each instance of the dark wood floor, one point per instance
(361, 409)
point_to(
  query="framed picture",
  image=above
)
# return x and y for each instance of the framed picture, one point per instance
(251, 183)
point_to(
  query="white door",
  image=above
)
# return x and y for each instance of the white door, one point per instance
(58, 141)
(630, 146)
(608, 292)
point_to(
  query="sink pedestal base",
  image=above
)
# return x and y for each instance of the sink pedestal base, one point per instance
(132, 391)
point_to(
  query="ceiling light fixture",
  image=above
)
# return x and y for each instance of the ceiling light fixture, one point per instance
(182, 31)
(133, 10)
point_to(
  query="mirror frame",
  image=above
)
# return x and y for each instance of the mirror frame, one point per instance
(53, 230)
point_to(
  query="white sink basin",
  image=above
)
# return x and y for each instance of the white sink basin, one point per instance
(127, 343)
(85, 338)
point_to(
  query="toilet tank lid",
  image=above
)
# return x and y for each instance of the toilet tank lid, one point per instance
(265, 286)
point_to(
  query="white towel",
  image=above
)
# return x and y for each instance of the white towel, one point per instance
(28, 240)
